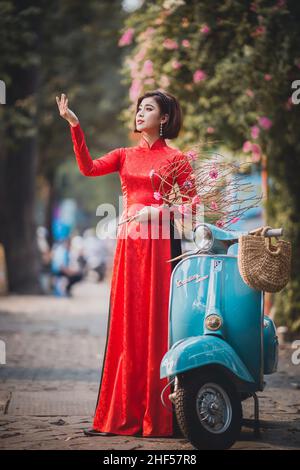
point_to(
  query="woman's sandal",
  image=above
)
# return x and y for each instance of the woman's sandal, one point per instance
(94, 432)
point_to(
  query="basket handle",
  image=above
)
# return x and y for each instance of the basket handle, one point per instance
(268, 246)
(261, 232)
(268, 242)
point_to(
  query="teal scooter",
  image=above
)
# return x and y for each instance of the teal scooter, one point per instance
(220, 342)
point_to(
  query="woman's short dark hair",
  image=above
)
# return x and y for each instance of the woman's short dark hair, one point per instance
(168, 104)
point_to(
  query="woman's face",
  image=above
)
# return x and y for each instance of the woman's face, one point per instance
(148, 117)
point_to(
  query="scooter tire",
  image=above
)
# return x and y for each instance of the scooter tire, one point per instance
(187, 416)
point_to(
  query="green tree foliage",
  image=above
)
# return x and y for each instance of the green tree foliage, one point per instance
(81, 43)
(48, 48)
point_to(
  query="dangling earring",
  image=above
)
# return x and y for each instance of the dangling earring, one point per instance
(161, 130)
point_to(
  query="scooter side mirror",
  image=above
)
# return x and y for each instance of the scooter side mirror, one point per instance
(208, 237)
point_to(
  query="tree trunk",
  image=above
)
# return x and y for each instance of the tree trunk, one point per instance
(18, 179)
(49, 207)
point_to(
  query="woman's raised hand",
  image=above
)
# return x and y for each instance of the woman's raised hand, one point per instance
(65, 112)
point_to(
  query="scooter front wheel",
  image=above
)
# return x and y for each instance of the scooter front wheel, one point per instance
(208, 410)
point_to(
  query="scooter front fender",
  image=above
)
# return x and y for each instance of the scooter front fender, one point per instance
(198, 351)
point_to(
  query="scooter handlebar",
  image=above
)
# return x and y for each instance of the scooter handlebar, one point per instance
(273, 232)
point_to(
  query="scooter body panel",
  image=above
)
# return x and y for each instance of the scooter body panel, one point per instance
(205, 284)
(200, 351)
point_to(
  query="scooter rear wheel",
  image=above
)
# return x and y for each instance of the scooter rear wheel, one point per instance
(208, 410)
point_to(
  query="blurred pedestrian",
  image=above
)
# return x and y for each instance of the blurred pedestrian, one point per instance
(64, 269)
(44, 253)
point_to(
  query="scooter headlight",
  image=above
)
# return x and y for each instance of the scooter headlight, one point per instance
(203, 237)
(213, 322)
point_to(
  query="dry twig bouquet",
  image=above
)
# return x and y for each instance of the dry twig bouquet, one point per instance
(204, 186)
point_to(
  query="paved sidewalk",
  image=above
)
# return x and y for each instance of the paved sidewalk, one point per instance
(49, 384)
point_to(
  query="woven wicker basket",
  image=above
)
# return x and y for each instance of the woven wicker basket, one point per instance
(264, 266)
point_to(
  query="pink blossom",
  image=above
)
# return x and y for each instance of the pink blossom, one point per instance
(126, 37)
(148, 68)
(247, 147)
(196, 200)
(184, 208)
(256, 148)
(253, 6)
(199, 75)
(205, 29)
(234, 220)
(141, 54)
(159, 21)
(133, 67)
(213, 173)
(148, 33)
(219, 223)
(187, 184)
(135, 89)
(267, 77)
(214, 206)
(175, 64)
(186, 43)
(255, 157)
(280, 3)
(191, 154)
(256, 152)
(170, 44)
(265, 122)
(210, 130)
(249, 93)
(259, 31)
(255, 130)
(288, 104)
(157, 195)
